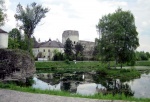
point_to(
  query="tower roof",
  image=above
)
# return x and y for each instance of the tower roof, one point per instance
(2, 31)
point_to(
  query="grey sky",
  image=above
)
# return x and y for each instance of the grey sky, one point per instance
(83, 15)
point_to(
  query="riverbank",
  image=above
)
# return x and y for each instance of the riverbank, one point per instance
(67, 94)
(83, 64)
(100, 69)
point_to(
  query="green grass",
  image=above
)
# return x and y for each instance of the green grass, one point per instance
(142, 63)
(61, 66)
(67, 94)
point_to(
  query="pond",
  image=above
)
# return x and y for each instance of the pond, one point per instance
(89, 84)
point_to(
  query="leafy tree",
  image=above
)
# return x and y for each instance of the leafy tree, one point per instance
(142, 55)
(96, 52)
(2, 13)
(58, 56)
(18, 41)
(68, 47)
(148, 54)
(79, 51)
(119, 36)
(14, 39)
(30, 17)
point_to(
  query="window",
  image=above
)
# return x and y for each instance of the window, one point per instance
(49, 50)
(74, 42)
(43, 50)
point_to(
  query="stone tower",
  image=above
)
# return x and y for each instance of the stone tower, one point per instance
(3, 39)
(72, 35)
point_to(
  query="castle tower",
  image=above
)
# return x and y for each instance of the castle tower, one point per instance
(72, 35)
(3, 39)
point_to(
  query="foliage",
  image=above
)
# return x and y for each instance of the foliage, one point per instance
(14, 39)
(58, 57)
(96, 52)
(142, 55)
(2, 12)
(68, 47)
(67, 61)
(30, 17)
(117, 30)
(18, 41)
(79, 51)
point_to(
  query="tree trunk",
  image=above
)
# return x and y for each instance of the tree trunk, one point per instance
(109, 65)
(115, 63)
(121, 65)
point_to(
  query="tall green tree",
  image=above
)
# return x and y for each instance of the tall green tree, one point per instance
(68, 49)
(14, 39)
(119, 36)
(18, 41)
(79, 51)
(2, 13)
(30, 17)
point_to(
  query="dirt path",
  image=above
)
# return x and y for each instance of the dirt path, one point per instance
(16, 96)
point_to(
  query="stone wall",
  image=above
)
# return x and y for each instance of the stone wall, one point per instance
(15, 65)
(88, 48)
(72, 35)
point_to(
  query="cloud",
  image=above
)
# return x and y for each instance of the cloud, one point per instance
(83, 15)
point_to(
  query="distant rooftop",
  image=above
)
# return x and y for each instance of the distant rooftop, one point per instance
(51, 44)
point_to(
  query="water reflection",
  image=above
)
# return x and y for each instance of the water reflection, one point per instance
(141, 86)
(44, 85)
(93, 83)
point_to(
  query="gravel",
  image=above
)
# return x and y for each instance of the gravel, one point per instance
(16, 96)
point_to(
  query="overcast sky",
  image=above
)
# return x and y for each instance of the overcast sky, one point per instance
(83, 16)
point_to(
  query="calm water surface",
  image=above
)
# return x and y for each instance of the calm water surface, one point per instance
(86, 85)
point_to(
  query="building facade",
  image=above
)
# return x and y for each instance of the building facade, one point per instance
(3, 39)
(46, 49)
(74, 37)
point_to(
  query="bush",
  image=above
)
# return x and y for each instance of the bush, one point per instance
(67, 61)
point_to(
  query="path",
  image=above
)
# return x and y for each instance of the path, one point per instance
(16, 96)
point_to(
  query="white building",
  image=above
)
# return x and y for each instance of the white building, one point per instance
(3, 39)
(46, 49)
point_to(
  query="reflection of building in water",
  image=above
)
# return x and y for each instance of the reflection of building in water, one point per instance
(101, 89)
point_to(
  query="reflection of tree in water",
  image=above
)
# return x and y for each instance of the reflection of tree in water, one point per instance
(113, 86)
(65, 84)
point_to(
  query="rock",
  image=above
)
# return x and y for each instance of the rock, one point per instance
(16, 65)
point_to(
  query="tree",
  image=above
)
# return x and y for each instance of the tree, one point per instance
(14, 39)
(119, 36)
(96, 52)
(79, 51)
(2, 14)
(18, 41)
(30, 17)
(68, 47)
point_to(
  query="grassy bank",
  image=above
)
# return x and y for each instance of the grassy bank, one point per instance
(84, 64)
(70, 66)
(63, 93)
(61, 65)
(143, 63)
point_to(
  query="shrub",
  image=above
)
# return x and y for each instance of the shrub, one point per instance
(67, 61)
